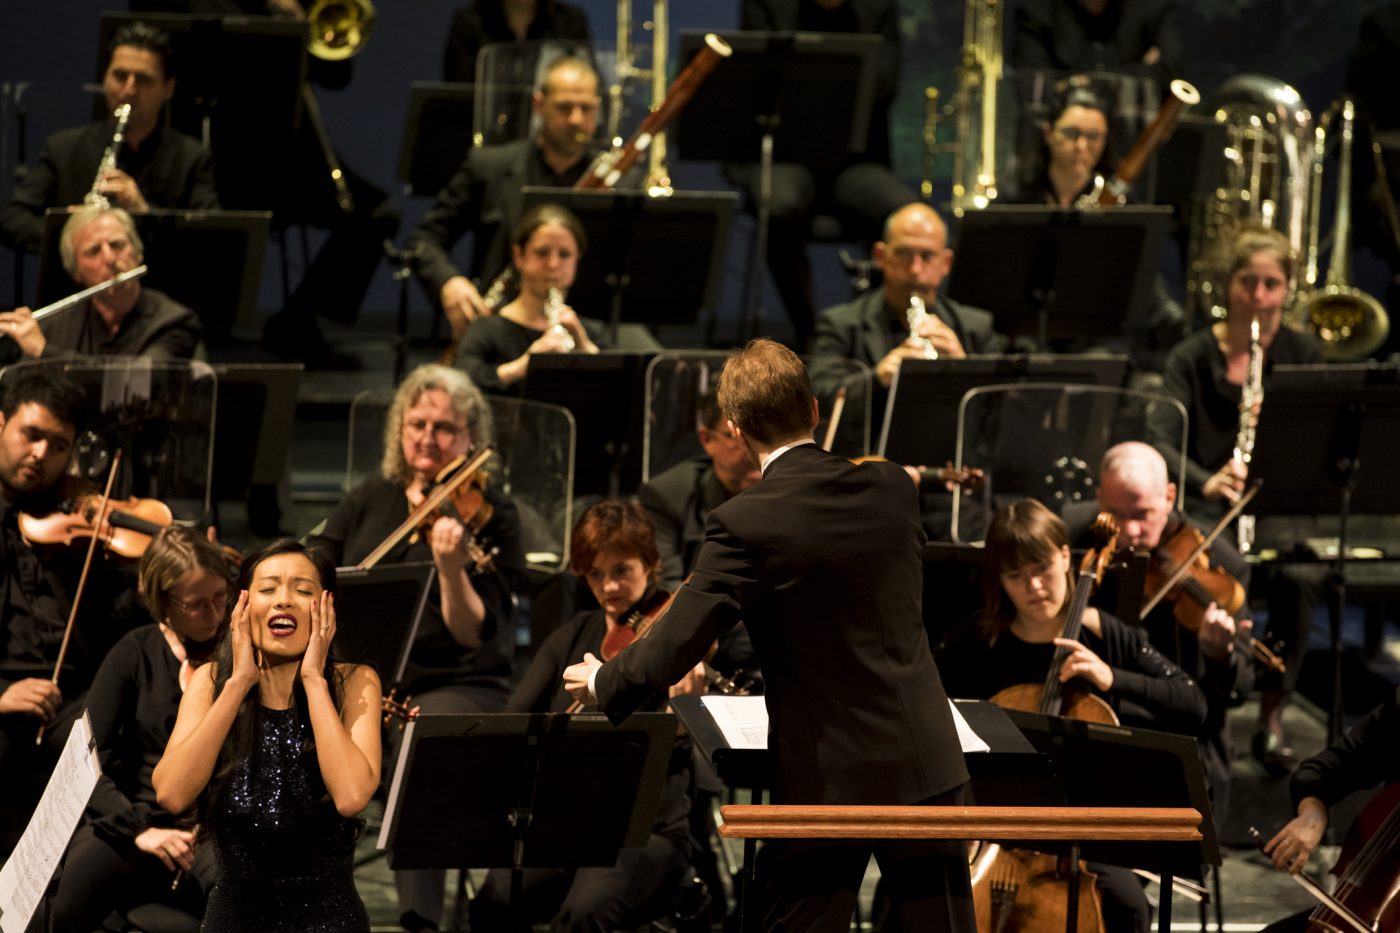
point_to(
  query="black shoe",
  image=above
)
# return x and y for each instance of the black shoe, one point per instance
(1276, 757)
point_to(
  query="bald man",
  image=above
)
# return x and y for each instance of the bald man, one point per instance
(914, 257)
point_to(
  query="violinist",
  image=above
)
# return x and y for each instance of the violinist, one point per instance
(614, 551)
(1027, 585)
(1134, 489)
(1362, 758)
(129, 849)
(460, 661)
(41, 416)
(1207, 373)
(545, 250)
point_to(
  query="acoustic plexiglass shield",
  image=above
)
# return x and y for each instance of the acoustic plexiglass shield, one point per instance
(1045, 442)
(677, 383)
(160, 414)
(533, 464)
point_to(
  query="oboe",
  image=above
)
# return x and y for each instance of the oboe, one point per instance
(917, 314)
(553, 307)
(1250, 395)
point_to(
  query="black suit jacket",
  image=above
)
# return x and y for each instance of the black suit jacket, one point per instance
(822, 560)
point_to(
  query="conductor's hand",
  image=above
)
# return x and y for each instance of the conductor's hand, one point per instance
(122, 189)
(174, 847)
(1082, 662)
(33, 697)
(20, 325)
(1217, 634)
(1290, 848)
(576, 679)
(1226, 483)
(692, 684)
(462, 303)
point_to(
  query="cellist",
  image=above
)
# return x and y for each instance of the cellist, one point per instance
(1362, 758)
(1027, 586)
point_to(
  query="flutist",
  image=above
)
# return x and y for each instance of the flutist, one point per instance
(153, 166)
(97, 245)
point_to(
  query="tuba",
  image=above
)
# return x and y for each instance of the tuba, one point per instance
(1268, 156)
(1348, 322)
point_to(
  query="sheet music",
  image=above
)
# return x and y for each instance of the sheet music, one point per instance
(25, 876)
(744, 723)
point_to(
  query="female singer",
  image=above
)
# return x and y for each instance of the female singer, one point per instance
(1027, 581)
(614, 550)
(1207, 373)
(130, 848)
(545, 250)
(279, 746)
(460, 661)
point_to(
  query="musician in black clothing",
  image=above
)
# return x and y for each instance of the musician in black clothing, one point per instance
(1125, 36)
(155, 166)
(40, 417)
(614, 550)
(483, 22)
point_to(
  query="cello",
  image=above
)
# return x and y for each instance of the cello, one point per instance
(1017, 889)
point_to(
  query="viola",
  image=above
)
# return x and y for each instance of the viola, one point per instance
(1200, 585)
(458, 491)
(395, 709)
(969, 478)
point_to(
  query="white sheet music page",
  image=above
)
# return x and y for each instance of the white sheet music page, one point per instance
(25, 876)
(742, 720)
(744, 723)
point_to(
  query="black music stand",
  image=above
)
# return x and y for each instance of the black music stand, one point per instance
(527, 791)
(437, 135)
(1054, 275)
(921, 412)
(210, 261)
(1321, 423)
(265, 395)
(787, 97)
(606, 394)
(634, 239)
(377, 613)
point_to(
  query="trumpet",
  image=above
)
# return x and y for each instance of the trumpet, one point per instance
(916, 315)
(553, 307)
(95, 197)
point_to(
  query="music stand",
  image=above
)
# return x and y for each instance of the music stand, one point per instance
(370, 606)
(261, 394)
(210, 261)
(1053, 274)
(1320, 425)
(921, 412)
(787, 97)
(541, 790)
(437, 135)
(606, 393)
(633, 240)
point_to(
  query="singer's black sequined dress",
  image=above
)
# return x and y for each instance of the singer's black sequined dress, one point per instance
(286, 857)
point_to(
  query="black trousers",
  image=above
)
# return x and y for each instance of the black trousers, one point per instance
(812, 885)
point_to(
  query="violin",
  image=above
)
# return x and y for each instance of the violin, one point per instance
(1200, 586)
(458, 491)
(396, 709)
(127, 530)
(969, 478)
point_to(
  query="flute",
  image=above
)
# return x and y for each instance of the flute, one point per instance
(63, 304)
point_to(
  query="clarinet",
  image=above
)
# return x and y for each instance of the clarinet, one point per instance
(1250, 394)
(553, 306)
(916, 315)
(94, 197)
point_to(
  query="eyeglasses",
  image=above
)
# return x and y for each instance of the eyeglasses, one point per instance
(1073, 134)
(214, 604)
(445, 431)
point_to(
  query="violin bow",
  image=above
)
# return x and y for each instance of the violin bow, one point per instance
(837, 408)
(1185, 566)
(82, 579)
(434, 499)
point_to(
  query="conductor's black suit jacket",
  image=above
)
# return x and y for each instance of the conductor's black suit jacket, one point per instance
(821, 560)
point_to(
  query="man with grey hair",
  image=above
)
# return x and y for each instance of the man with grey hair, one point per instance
(1135, 489)
(98, 244)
